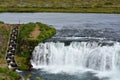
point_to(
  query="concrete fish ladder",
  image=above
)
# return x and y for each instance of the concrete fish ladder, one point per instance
(12, 48)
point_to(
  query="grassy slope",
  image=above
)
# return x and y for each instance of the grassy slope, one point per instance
(5, 73)
(26, 45)
(4, 36)
(107, 6)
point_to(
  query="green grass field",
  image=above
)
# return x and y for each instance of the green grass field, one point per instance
(102, 6)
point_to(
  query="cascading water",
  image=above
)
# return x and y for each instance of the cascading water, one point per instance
(56, 57)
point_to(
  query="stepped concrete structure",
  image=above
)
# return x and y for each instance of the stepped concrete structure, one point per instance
(12, 48)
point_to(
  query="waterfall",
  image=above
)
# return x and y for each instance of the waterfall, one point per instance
(79, 57)
(89, 55)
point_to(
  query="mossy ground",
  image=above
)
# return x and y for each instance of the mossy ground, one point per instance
(6, 74)
(26, 43)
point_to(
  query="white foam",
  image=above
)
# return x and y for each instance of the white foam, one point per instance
(112, 75)
(78, 57)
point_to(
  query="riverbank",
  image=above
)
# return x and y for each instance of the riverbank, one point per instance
(27, 40)
(73, 6)
(65, 10)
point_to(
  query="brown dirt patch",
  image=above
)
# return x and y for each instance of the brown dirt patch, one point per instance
(35, 33)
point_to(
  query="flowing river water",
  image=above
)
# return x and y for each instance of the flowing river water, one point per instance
(86, 46)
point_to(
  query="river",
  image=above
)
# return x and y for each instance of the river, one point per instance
(86, 46)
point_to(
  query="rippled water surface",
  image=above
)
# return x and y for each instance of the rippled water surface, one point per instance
(72, 24)
(59, 20)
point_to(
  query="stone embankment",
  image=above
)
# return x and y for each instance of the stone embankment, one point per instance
(12, 48)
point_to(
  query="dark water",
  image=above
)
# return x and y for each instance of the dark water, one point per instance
(60, 76)
(91, 27)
